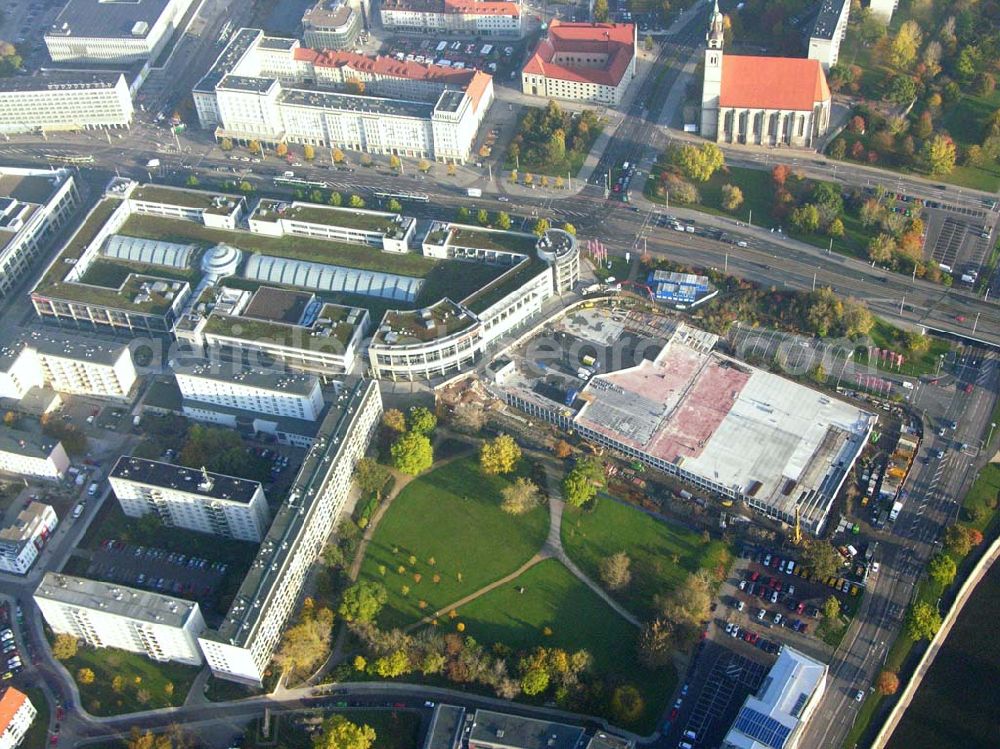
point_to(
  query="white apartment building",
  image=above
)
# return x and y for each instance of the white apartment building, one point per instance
(24, 454)
(188, 498)
(34, 204)
(829, 31)
(241, 649)
(64, 101)
(16, 716)
(21, 542)
(493, 18)
(104, 615)
(591, 62)
(274, 90)
(113, 32)
(228, 384)
(82, 367)
(883, 9)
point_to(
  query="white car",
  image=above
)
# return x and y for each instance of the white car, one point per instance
(740, 606)
(743, 584)
(774, 596)
(729, 628)
(860, 696)
(777, 618)
(761, 614)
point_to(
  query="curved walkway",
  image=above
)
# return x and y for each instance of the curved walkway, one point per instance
(552, 548)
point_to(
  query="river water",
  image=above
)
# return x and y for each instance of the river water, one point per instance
(958, 704)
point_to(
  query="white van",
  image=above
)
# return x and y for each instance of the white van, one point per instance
(92, 490)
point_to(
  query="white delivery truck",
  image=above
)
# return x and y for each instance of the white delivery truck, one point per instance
(474, 192)
(894, 512)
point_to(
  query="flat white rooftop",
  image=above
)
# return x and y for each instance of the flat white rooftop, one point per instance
(740, 427)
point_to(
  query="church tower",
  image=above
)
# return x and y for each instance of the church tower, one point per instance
(712, 83)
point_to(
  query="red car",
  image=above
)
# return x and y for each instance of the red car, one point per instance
(673, 714)
(754, 576)
(968, 387)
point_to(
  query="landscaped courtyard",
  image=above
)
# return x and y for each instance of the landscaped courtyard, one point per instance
(445, 537)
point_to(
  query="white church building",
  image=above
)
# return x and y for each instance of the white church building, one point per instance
(763, 101)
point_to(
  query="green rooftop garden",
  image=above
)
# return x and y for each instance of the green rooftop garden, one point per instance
(346, 217)
(282, 334)
(447, 318)
(80, 240)
(310, 249)
(493, 240)
(185, 198)
(509, 282)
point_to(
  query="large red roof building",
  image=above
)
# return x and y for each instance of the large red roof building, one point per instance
(766, 101)
(591, 62)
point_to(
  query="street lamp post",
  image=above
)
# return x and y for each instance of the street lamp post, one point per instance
(993, 425)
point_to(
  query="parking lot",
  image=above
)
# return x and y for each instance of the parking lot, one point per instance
(725, 680)
(959, 238)
(156, 569)
(771, 600)
(11, 663)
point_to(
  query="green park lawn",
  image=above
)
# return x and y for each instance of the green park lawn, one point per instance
(552, 597)
(662, 555)
(452, 516)
(145, 681)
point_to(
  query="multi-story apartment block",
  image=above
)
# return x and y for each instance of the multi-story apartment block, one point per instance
(188, 498)
(105, 615)
(64, 101)
(25, 454)
(113, 32)
(83, 367)
(273, 90)
(34, 204)
(294, 395)
(67, 365)
(331, 24)
(241, 648)
(21, 542)
(494, 18)
(829, 31)
(883, 9)
(592, 62)
(16, 716)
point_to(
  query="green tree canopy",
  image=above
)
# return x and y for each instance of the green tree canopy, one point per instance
(340, 733)
(499, 455)
(699, 162)
(923, 621)
(421, 420)
(363, 601)
(412, 453)
(582, 482)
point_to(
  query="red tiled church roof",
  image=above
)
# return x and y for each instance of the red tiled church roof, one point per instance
(617, 40)
(789, 83)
